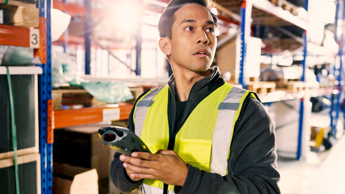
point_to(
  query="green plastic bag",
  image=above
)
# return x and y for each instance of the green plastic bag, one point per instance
(110, 92)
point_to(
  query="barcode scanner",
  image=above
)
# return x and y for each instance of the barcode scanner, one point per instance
(122, 139)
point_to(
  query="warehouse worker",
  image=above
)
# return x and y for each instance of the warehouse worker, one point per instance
(206, 136)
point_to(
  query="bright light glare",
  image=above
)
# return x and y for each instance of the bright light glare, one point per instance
(126, 15)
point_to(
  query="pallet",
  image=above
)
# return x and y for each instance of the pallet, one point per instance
(327, 85)
(293, 9)
(261, 87)
(296, 86)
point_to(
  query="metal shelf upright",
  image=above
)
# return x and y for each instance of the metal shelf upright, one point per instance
(338, 70)
(45, 98)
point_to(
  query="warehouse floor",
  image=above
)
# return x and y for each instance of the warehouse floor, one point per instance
(321, 172)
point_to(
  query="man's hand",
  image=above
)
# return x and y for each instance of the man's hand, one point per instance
(165, 166)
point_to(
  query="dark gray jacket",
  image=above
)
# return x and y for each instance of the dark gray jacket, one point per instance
(252, 164)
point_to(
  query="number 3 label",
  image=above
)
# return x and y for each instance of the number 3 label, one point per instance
(34, 38)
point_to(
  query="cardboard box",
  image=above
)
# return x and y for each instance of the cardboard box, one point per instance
(19, 2)
(24, 16)
(25, 96)
(29, 173)
(228, 57)
(81, 146)
(74, 180)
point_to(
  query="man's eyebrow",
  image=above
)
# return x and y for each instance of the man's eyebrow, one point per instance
(210, 22)
(188, 21)
(193, 21)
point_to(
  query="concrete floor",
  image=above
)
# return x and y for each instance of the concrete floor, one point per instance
(321, 172)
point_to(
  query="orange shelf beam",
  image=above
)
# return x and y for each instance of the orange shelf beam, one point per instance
(67, 118)
(14, 36)
(74, 9)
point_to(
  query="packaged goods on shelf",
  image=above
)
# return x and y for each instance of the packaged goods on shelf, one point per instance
(25, 96)
(29, 173)
(74, 180)
(18, 2)
(228, 57)
(24, 16)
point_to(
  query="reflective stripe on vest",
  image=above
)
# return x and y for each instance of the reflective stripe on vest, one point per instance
(222, 137)
(141, 109)
(204, 139)
(147, 189)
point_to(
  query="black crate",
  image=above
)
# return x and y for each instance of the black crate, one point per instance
(25, 98)
(28, 173)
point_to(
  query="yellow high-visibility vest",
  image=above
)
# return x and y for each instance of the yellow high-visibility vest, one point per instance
(204, 139)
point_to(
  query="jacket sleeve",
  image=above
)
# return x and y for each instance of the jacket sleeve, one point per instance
(252, 164)
(118, 173)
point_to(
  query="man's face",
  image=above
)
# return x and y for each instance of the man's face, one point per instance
(193, 42)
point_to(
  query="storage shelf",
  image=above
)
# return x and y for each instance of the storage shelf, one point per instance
(21, 70)
(133, 79)
(14, 36)
(282, 95)
(74, 9)
(268, 7)
(266, 13)
(67, 118)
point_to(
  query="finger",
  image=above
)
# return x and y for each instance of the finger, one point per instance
(134, 177)
(137, 177)
(137, 169)
(139, 162)
(144, 155)
(122, 157)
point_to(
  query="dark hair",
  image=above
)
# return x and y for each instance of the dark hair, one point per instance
(167, 19)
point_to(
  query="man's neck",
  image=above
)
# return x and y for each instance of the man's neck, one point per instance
(185, 81)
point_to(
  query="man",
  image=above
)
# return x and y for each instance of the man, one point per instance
(205, 135)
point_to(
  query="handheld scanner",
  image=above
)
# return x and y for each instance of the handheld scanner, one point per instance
(122, 139)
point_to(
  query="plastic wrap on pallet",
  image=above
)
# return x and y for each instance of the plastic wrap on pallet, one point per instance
(110, 92)
(64, 69)
(16, 56)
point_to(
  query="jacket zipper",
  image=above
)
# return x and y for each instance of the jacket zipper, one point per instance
(172, 136)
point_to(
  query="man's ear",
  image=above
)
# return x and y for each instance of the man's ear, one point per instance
(165, 45)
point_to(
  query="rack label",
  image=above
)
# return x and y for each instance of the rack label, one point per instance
(34, 38)
(111, 114)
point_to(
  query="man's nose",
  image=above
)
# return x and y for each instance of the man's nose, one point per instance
(202, 37)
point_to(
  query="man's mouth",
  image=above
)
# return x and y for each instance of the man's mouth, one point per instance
(201, 53)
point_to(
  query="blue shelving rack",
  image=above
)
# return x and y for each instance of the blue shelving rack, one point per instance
(266, 6)
(45, 99)
(338, 71)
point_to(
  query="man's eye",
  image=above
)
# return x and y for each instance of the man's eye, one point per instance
(189, 28)
(209, 30)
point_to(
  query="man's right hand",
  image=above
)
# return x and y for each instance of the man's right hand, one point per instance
(165, 166)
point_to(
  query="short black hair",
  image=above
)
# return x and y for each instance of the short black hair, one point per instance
(167, 19)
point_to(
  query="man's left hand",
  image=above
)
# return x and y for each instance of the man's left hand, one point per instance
(165, 166)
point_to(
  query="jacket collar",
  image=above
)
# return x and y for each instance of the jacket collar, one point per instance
(201, 86)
